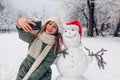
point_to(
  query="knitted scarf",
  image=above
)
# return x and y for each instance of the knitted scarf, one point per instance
(35, 50)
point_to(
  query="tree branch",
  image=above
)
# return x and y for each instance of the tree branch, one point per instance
(64, 52)
(98, 55)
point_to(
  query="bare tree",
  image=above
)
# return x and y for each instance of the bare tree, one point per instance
(116, 33)
(92, 28)
(90, 5)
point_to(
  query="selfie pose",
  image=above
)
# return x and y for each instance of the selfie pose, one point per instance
(43, 47)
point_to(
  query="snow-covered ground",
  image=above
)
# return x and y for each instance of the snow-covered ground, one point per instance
(13, 51)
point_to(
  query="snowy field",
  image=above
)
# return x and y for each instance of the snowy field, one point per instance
(13, 51)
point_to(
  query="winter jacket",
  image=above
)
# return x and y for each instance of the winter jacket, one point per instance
(43, 72)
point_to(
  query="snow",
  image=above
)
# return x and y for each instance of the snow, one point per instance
(13, 51)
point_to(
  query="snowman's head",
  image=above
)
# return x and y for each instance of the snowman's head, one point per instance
(71, 36)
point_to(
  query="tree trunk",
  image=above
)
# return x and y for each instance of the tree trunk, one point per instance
(116, 33)
(87, 20)
(92, 25)
(89, 23)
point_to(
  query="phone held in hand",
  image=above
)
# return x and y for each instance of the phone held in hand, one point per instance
(38, 25)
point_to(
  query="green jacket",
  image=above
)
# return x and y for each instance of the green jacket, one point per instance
(43, 72)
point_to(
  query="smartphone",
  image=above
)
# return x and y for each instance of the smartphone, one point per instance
(38, 25)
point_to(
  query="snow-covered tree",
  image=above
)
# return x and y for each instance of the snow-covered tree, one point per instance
(40, 14)
(71, 10)
(106, 12)
(7, 16)
(10, 13)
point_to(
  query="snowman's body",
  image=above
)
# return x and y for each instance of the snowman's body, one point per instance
(76, 62)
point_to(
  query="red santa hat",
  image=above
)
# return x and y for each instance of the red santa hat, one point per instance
(76, 23)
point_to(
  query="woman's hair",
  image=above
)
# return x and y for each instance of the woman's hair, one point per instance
(58, 37)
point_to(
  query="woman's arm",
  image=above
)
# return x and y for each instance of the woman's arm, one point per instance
(24, 23)
(24, 29)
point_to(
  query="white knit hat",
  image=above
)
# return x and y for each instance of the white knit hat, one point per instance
(57, 21)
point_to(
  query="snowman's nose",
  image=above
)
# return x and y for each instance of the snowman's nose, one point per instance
(69, 32)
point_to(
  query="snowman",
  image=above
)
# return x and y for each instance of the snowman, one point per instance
(75, 63)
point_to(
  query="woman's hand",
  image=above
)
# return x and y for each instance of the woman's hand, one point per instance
(24, 23)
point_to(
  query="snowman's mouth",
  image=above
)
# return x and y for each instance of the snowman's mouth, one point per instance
(70, 37)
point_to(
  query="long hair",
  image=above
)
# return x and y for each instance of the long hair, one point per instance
(58, 38)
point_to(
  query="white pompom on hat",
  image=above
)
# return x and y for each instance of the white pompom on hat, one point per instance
(57, 21)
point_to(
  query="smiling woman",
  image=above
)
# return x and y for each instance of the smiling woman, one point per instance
(43, 48)
(51, 28)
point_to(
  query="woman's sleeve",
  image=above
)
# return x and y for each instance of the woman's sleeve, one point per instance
(25, 36)
(44, 66)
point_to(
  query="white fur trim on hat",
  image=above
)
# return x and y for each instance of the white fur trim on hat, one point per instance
(71, 27)
(57, 21)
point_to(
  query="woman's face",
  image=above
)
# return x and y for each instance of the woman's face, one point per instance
(51, 28)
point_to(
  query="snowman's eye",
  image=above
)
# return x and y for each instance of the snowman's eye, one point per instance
(65, 31)
(72, 29)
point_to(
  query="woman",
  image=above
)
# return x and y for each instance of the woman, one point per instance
(43, 48)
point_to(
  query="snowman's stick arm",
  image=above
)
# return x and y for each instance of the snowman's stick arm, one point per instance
(102, 50)
(98, 57)
(64, 52)
(98, 61)
(88, 50)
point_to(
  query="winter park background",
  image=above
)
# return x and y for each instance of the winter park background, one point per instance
(107, 14)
